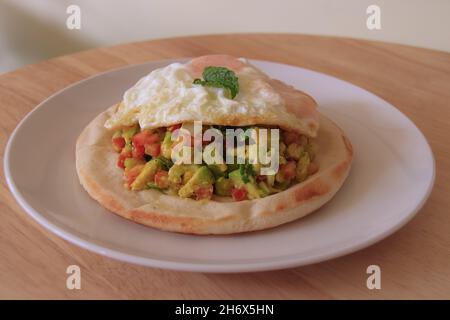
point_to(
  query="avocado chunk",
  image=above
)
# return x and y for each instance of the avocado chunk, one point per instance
(253, 190)
(147, 175)
(166, 146)
(302, 166)
(251, 187)
(223, 186)
(128, 133)
(218, 170)
(235, 176)
(132, 162)
(203, 177)
(264, 189)
(177, 171)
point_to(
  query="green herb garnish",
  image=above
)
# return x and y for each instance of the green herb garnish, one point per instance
(152, 185)
(246, 170)
(166, 164)
(220, 77)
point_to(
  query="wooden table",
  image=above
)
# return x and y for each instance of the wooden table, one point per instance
(415, 261)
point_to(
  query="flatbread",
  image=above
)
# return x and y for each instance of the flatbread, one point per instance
(103, 180)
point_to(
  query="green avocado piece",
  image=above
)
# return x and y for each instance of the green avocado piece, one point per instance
(236, 177)
(223, 186)
(177, 171)
(218, 170)
(264, 190)
(251, 187)
(202, 177)
(147, 174)
(166, 146)
(127, 134)
(152, 185)
(132, 162)
(253, 190)
(302, 166)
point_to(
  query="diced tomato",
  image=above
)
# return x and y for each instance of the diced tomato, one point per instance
(122, 156)
(291, 137)
(145, 137)
(121, 162)
(239, 194)
(132, 174)
(162, 179)
(138, 151)
(118, 143)
(174, 127)
(204, 192)
(153, 149)
(288, 169)
(146, 142)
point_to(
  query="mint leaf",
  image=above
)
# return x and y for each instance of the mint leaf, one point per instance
(220, 77)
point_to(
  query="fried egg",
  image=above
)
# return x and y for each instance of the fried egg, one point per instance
(168, 96)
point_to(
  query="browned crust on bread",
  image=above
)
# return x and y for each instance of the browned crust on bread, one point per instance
(312, 189)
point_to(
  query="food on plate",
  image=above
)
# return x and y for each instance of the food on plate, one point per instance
(212, 146)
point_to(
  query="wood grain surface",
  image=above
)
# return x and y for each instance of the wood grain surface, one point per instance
(415, 261)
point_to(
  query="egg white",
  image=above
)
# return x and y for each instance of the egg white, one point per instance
(168, 96)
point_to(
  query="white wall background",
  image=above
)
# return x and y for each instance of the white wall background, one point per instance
(33, 30)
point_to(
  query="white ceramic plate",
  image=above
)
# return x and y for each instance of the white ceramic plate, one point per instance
(391, 177)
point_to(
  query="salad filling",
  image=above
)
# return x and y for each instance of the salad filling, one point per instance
(145, 157)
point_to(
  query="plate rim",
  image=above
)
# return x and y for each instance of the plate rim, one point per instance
(223, 267)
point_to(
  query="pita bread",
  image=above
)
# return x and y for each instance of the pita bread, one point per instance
(103, 180)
